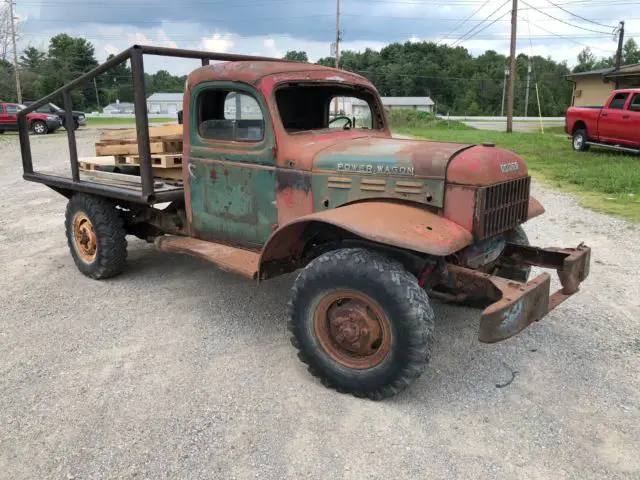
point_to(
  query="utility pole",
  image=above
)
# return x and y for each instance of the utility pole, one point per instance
(620, 45)
(15, 51)
(95, 85)
(335, 103)
(504, 89)
(512, 66)
(619, 51)
(526, 95)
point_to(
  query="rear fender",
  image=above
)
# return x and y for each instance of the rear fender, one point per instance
(399, 225)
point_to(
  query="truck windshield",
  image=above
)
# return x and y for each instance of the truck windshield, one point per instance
(55, 107)
(305, 107)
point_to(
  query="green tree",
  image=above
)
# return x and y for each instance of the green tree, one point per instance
(298, 56)
(630, 53)
(32, 59)
(586, 61)
(68, 58)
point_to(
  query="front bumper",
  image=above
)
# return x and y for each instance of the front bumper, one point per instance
(52, 124)
(517, 305)
(81, 120)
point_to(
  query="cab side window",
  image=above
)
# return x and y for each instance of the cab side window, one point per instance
(635, 103)
(228, 115)
(618, 101)
(12, 109)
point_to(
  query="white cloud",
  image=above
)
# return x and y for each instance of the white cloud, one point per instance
(217, 42)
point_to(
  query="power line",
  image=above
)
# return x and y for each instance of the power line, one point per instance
(467, 35)
(465, 21)
(563, 37)
(565, 22)
(578, 16)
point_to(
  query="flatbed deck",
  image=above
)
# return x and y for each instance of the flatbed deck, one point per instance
(146, 152)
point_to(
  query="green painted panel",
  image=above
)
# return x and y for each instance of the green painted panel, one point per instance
(233, 187)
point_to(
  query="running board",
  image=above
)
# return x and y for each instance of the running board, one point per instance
(617, 148)
(229, 259)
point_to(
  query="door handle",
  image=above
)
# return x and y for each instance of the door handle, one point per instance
(191, 168)
(625, 116)
(605, 114)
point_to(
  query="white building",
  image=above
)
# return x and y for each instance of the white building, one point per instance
(166, 103)
(424, 104)
(119, 107)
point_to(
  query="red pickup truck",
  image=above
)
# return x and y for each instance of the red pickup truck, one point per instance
(39, 123)
(615, 126)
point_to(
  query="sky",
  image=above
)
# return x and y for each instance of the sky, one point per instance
(271, 27)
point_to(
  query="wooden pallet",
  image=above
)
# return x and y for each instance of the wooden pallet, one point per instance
(174, 174)
(164, 160)
(130, 134)
(92, 164)
(124, 148)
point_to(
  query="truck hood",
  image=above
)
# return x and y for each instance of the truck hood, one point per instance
(455, 162)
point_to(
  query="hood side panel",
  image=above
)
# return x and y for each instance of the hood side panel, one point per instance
(482, 165)
(379, 156)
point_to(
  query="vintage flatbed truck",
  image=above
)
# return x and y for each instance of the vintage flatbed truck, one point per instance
(376, 225)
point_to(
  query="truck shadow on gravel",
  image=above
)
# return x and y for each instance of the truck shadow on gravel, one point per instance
(458, 359)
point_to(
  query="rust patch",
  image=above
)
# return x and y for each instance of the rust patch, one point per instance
(213, 175)
(254, 71)
(294, 197)
(293, 179)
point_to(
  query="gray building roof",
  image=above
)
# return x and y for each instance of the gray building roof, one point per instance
(600, 71)
(406, 101)
(165, 97)
(400, 101)
(120, 105)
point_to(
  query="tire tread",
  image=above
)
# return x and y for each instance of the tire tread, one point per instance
(419, 323)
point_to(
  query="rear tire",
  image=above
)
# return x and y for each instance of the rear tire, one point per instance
(361, 323)
(39, 127)
(579, 141)
(96, 236)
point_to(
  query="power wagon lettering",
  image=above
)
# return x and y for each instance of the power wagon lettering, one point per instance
(375, 169)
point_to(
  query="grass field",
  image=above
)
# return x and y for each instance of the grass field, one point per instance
(105, 121)
(603, 181)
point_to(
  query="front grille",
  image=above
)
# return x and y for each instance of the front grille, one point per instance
(501, 207)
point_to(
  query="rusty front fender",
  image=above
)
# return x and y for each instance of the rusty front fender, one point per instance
(399, 225)
(535, 208)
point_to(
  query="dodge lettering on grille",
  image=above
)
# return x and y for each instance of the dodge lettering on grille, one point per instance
(509, 167)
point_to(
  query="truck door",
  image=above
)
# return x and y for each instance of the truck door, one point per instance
(631, 122)
(231, 164)
(610, 122)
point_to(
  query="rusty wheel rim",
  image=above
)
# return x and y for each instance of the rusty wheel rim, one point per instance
(85, 238)
(353, 329)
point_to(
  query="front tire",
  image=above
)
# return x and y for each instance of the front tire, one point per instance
(96, 236)
(39, 128)
(361, 323)
(579, 141)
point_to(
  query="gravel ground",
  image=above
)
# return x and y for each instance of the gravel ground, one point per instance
(178, 370)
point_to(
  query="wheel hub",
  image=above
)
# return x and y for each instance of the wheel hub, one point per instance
(353, 329)
(85, 237)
